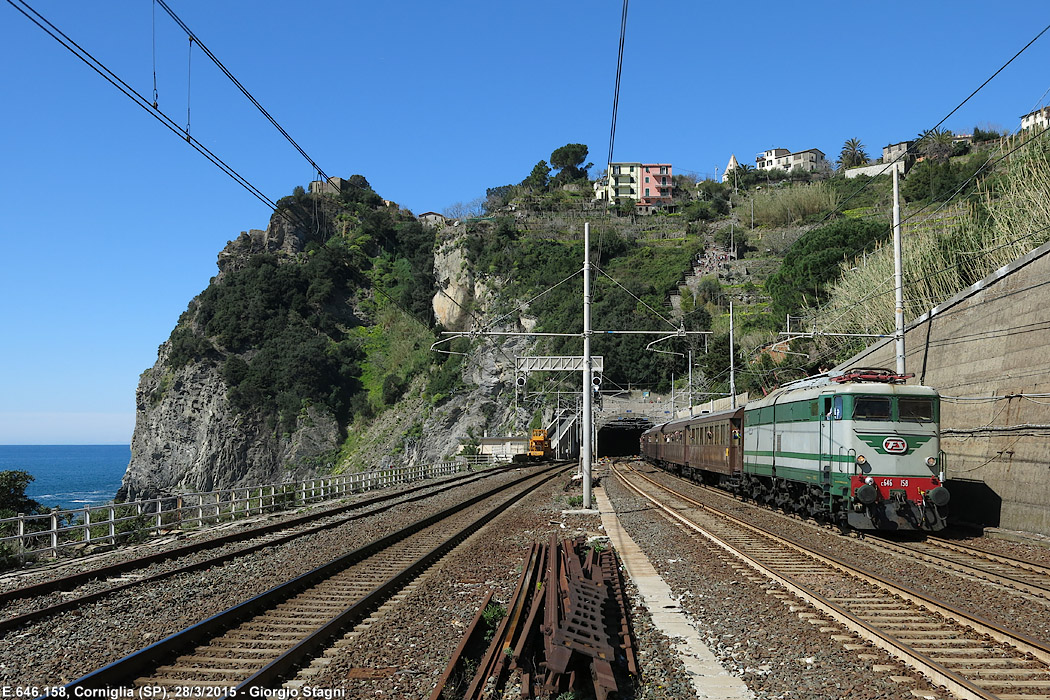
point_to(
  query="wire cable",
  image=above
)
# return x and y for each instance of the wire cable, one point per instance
(194, 38)
(154, 24)
(635, 297)
(616, 90)
(189, 85)
(96, 65)
(936, 126)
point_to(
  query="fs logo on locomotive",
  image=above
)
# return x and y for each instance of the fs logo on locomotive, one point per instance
(895, 445)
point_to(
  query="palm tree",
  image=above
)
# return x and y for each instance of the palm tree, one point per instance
(852, 154)
(936, 144)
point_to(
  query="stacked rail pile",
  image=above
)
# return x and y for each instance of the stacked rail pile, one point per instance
(566, 628)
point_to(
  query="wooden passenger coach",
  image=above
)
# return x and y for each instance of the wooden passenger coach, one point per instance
(703, 446)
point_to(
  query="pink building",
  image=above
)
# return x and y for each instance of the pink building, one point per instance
(648, 184)
(655, 184)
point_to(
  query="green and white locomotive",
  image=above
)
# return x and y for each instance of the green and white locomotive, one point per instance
(859, 448)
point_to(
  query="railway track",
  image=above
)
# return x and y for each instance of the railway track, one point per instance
(971, 657)
(258, 643)
(969, 561)
(27, 604)
(936, 552)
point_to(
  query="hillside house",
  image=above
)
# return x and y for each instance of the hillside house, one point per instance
(333, 185)
(894, 151)
(811, 160)
(1039, 119)
(732, 165)
(648, 185)
(432, 218)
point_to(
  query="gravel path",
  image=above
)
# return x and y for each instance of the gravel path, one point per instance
(416, 639)
(755, 633)
(95, 557)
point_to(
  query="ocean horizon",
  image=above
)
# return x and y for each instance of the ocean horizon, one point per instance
(69, 476)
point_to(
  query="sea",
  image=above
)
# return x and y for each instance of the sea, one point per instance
(69, 476)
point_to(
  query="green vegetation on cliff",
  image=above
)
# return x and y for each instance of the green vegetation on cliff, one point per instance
(630, 289)
(285, 327)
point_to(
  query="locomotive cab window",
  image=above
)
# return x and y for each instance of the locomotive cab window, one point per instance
(871, 408)
(915, 408)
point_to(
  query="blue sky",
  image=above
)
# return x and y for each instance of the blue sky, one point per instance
(111, 224)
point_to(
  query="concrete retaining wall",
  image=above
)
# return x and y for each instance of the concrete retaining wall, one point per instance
(987, 350)
(876, 170)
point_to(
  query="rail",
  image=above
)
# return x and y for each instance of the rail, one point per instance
(26, 536)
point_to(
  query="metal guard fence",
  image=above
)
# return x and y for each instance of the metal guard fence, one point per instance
(28, 535)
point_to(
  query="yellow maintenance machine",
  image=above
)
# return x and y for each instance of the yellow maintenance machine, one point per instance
(539, 445)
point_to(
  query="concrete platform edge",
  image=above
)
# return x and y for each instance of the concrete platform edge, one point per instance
(709, 678)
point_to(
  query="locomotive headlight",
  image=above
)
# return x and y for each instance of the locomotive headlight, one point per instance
(931, 462)
(861, 459)
(869, 481)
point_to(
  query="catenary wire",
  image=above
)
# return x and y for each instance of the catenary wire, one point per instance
(111, 77)
(194, 38)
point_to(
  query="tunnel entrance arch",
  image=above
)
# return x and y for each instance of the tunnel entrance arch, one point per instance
(620, 437)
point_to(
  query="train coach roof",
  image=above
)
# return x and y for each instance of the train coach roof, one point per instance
(699, 419)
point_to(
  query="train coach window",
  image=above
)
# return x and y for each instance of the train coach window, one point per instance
(871, 408)
(915, 409)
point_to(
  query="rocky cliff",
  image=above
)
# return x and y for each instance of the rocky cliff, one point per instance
(189, 437)
(205, 418)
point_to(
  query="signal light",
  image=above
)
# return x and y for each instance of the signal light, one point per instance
(521, 380)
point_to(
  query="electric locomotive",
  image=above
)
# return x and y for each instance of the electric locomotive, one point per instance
(860, 448)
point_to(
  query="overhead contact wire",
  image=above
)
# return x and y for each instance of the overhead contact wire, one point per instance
(117, 82)
(251, 98)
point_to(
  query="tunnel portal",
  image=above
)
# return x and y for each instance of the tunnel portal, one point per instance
(620, 438)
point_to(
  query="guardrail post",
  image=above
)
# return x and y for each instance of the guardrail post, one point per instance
(54, 535)
(87, 524)
(112, 525)
(21, 529)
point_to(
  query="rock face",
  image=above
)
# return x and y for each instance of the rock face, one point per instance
(187, 435)
(455, 286)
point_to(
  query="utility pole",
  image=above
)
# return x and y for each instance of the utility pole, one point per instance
(732, 360)
(898, 274)
(588, 389)
(690, 382)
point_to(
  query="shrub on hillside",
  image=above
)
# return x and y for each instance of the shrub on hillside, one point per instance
(813, 261)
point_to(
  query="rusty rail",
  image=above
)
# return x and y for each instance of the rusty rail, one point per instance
(575, 635)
